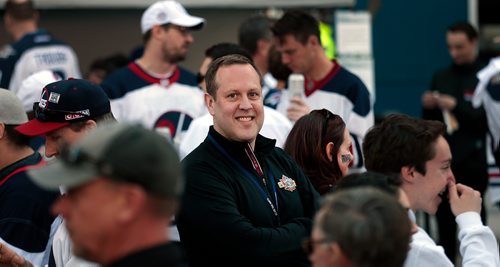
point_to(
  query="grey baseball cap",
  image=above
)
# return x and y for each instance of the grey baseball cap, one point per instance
(11, 109)
(120, 152)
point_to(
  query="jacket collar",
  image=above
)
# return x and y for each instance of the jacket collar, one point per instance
(263, 145)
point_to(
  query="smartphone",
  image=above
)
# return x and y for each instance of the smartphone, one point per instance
(296, 85)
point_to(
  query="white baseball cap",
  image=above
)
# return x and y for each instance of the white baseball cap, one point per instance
(164, 12)
(31, 87)
(11, 109)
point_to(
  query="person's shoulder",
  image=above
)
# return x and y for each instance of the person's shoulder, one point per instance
(426, 254)
(280, 156)
(186, 77)
(120, 81)
(37, 38)
(443, 73)
(200, 155)
(343, 82)
(350, 77)
(118, 74)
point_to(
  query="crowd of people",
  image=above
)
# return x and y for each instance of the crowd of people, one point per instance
(145, 163)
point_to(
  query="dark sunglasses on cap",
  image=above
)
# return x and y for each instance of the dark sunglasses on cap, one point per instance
(76, 157)
(45, 114)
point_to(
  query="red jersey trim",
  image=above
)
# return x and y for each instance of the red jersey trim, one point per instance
(150, 79)
(39, 164)
(312, 86)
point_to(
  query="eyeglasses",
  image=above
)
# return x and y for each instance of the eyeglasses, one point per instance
(309, 244)
(45, 114)
(199, 77)
(182, 30)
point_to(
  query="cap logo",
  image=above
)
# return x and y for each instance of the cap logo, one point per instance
(43, 100)
(54, 97)
(77, 115)
(70, 117)
(162, 16)
(43, 103)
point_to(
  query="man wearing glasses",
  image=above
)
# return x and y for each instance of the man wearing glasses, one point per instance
(359, 227)
(154, 90)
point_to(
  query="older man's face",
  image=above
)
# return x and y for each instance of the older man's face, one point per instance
(91, 215)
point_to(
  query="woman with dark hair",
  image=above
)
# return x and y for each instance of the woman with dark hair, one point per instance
(320, 143)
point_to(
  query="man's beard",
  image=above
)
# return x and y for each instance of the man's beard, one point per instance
(174, 58)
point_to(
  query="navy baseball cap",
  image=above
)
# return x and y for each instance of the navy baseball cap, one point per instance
(121, 152)
(64, 102)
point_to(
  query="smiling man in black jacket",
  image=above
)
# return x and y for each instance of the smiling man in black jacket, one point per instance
(247, 203)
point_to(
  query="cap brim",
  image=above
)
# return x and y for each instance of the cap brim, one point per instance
(194, 23)
(35, 127)
(57, 174)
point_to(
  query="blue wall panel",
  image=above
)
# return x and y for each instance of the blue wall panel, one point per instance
(409, 45)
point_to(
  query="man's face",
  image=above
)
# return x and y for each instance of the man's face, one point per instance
(203, 71)
(238, 108)
(322, 254)
(55, 139)
(461, 49)
(90, 215)
(175, 43)
(427, 188)
(295, 55)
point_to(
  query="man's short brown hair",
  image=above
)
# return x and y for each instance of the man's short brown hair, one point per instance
(20, 9)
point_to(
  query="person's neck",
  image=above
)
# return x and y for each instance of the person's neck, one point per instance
(412, 196)
(23, 28)
(153, 63)
(11, 154)
(252, 142)
(261, 65)
(320, 69)
(133, 240)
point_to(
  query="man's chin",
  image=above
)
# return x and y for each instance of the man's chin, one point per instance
(177, 59)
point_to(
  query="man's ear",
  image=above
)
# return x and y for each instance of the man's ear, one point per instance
(90, 124)
(2, 130)
(339, 258)
(209, 102)
(408, 173)
(313, 40)
(130, 203)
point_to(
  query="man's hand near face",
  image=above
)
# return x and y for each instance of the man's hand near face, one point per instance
(463, 199)
(297, 109)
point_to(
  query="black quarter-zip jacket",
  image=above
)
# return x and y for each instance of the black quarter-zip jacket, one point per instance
(225, 220)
